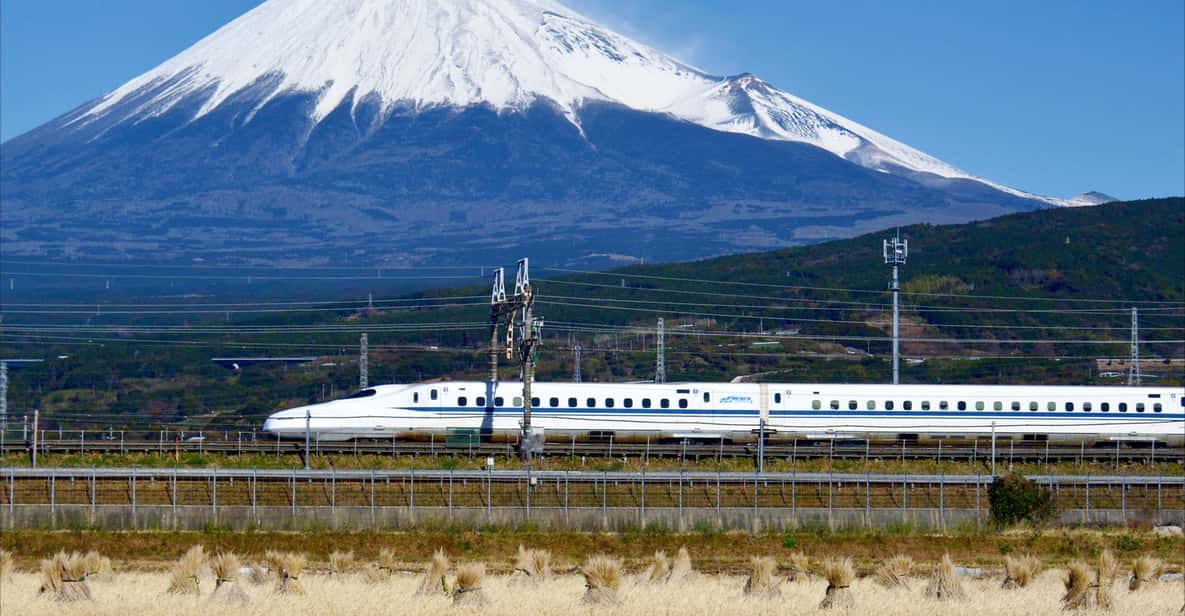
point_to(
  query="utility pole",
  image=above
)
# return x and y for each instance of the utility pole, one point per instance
(576, 376)
(660, 367)
(363, 363)
(1133, 370)
(895, 252)
(516, 312)
(3, 402)
(36, 418)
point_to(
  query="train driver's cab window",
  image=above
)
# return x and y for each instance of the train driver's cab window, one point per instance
(888, 405)
(853, 405)
(1105, 407)
(590, 403)
(707, 397)
(434, 395)
(608, 403)
(664, 403)
(628, 403)
(835, 405)
(365, 393)
(925, 405)
(816, 404)
(571, 403)
(1122, 407)
(645, 403)
(480, 401)
(1139, 407)
(962, 405)
(499, 401)
(553, 402)
(907, 405)
(683, 403)
(777, 398)
(462, 401)
(415, 397)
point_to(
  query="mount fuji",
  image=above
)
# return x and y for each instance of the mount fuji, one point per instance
(455, 131)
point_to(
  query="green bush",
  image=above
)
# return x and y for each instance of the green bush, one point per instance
(1014, 498)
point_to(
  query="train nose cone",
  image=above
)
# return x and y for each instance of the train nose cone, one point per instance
(269, 425)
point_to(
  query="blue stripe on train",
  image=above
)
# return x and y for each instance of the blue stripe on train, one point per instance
(828, 414)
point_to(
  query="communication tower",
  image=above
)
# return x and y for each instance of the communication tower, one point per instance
(896, 250)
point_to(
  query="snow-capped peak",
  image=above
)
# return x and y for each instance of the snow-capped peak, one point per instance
(1090, 198)
(503, 53)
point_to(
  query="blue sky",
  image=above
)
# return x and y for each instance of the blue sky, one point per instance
(1055, 97)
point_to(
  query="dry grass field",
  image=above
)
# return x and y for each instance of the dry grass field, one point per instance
(698, 594)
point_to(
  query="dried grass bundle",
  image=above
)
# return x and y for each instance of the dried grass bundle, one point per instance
(51, 576)
(341, 563)
(290, 569)
(660, 570)
(944, 582)
(681, 566)
(64, 577)
(434, 581)
(467, 592)
(839, 574)
(1145, 570)
(98, 567)
(372, 573)
(800, 567)
(761, 582)
(1019, 572)
(6, 566)
(185, 576)
(387, 561)
(1080, 583)
(602, 578)
(532, 565)
(260, 573)
(226, 587)
(894, 573)
(1108, 571)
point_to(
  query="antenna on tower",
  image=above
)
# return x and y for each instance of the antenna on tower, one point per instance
(363, 363)
(895, 251)
(660, 367)
(1133, 370)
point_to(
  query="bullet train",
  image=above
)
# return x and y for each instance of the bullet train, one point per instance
(740, 411)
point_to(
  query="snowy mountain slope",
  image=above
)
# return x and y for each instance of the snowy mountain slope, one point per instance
(504, 53)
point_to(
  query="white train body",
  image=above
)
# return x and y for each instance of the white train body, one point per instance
(735, 411)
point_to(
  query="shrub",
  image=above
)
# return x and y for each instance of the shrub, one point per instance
(1014, 498)
(789, 542)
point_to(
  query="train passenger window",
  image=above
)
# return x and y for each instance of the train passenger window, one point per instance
(518, 401)
(591, 402)
(628, 403)
(571, 403)
(664, 403)
(1122, 407)
(1051, 406)
(1156, 408)
(777, 398)
(434, 395)
(944, 405)
(1069, 406)
(481, 401)
(999, 406)
(962, 405)
(608, 403)
(645, 403)
(1034, 406)
(553, 402)
(498, 401)
(888, 405)
(979, 405)
(1016, 406)
(925, 405)
(835, 405)
(415, 397)
(853, 405)
(707, 397)
(535, 402)
(683, 403)
(462, 401)
(1139, 407)
(871, 405)
(816, 404)
(907, 405)
(1086, 407)
(1105, 407)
